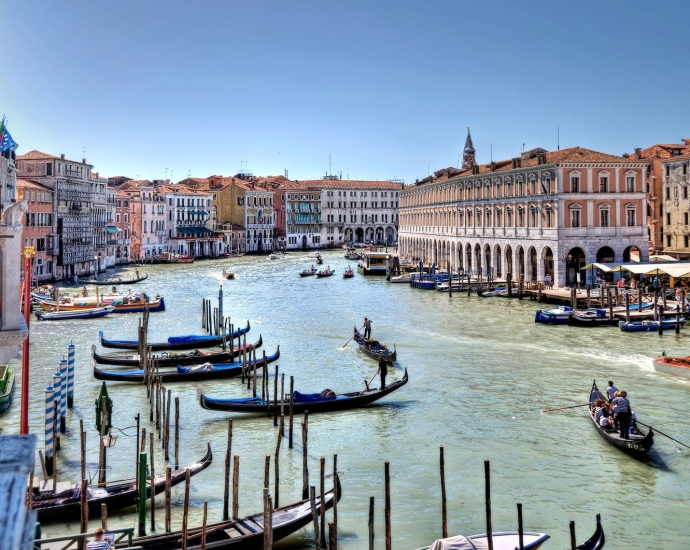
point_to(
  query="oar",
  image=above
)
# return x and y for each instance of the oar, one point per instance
(351, 337)
(662, 433)
(563, 408)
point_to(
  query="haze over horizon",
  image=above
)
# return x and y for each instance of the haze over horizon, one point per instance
(388, 89)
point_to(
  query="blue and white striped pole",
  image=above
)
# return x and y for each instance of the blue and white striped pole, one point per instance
(70, 374)
(49, 447)
(63, 395)
(57, 391)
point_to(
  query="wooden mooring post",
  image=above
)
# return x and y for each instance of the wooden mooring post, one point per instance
(168, 494)
(487, 496)
(235, 487)
(322, 500)
(521, 532)
(314, 516)
(305, 465)
(387, 504)
(153, 489)
(185, 509)
(573, 541)
(268, 521)
(627, 309)
(292, 389)
(226, 485)
(444, 511)
(371, 523)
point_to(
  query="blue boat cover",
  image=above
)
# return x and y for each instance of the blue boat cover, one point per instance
(191, 338)
(311, 397)
(206, 367)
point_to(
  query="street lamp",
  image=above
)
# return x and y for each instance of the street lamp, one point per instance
(109, 440)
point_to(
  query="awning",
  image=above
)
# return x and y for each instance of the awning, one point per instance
(605, 268)
(192, 212)
(662, 258)
(194, 230)
(202, 212)
(677, 270)
(112, 229)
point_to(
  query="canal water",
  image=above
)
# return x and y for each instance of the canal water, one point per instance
(480, 372)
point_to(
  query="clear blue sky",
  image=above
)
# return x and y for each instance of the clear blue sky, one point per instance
(387, 87)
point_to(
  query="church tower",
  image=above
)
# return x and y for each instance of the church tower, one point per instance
(468, 152)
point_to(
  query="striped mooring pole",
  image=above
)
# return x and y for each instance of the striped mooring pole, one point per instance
(57, 387)
(70, 374)
(49, 428)
(63, 395)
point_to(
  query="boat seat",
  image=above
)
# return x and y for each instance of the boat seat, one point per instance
(233, 533)
(247, 527)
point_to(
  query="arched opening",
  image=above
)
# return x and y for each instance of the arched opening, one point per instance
(487, 258)
(575, 261)
(533, 267)
(498, 272)
(605, 255)
(390, 235)
(478, 259)
(547, 262)
(359, 233)
(520, 263)
(631, 254)
(348, 235)
(508, 251)
(468, 259)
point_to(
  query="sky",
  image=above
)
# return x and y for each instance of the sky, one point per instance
(157, 88)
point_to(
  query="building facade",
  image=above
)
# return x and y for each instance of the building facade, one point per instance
(38, 225)
(537, 214)
(190, 221)
(654, 158)
(148, 234)
(103, 241)
(73, 240)
(676, 207)
(357, 211)
(123, 224)
(8, 178)
(298, 216)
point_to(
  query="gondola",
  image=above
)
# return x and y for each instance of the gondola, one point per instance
(314, 403)
(375, 349)
(349, 273)
(650, 326)
(173, 359)
(66, 506)
(639, 443)
(6, 387)
(325, 273)
(596, 541)
(307, 272)
(191, 341)
(125, 304)
(203, 371)
(246, 533)
(593, 317)
(56, 315)
(113, 282)
(501, 540)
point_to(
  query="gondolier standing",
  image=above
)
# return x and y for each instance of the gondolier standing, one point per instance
(367, 328)
(623, 414)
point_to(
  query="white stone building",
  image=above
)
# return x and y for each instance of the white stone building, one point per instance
(675, 202)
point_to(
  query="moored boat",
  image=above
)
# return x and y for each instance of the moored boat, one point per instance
(6, 387)
(637, 445)
(499, 292)
(66, 505)
(502, 540)
(404, 278)
(190, 341)
(113, 282)
(596, 541)
(325, 273)
(593, 317)
(677, 366)
(275, 256)
(246, 533)
(204, 371)
(650, 326)
(374, 263)
(325, 401)
(123, 304)
(556, 316)
(56, 315)
(375, 349)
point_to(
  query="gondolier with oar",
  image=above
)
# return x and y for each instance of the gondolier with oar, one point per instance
(367, 328)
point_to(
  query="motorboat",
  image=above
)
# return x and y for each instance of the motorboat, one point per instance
(404, 278)
(560, 315)
(677, 366)
(229, 275)
(56, 315)
(276, 256)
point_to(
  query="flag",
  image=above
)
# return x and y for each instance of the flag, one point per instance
(6, 141)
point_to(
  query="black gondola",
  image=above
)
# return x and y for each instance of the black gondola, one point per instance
(113, 282)
(246, 533)
(596, 541)
(173, 359)
(375, 349)
(313, 403)
(639, 443)
(66, 506)
(204, 371)
(593, 317)
(192, 341)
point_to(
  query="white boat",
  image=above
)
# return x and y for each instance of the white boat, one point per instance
(502, 292)
(404, 278)
(506, 540)
(57, 315)
(275, 256)
(315, 254)
(677, 366)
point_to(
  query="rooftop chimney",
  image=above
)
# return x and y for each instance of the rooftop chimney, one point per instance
(83, 161)
(638, 153)
(62, 156)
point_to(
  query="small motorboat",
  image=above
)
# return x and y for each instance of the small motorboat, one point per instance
(349, 273)
(56, 315)
(404, 278)
(677, 366)
(315, 254)
(352, 255)
(650, 326)
(593, 317)
(229, 275)
(559, 315)
(503, 540)
(6, 386)
(500, 292)
(325, 273)
(307, 272)
(276, 256)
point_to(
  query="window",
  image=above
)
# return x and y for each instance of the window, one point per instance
(685, 192)
(630, 217)
(41, 245)
(604, 184)
(533, 216)
(509, 217)
(49, 169)
(668, 218)
(687, 241)
(575, 184)
(630, 184)
(521, 214)
(668, 192)
(668, 241)
(548, 217)
(575, 220)
(604, 217)
(685, 218)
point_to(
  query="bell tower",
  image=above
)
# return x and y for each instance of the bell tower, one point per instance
(468, 159)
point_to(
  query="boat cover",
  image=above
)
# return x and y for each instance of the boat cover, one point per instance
(191, 338)
(311, 397)
(203, 368)
(458, 543)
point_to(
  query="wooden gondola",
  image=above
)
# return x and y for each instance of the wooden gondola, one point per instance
(307, 272)
(6, 387)
(325, 273)
(66, 505)
(192, 341)
(502, 540)
(203, 371)
(174, 359)
(246, 533)
(56, 315)
(596, 541)
(314, 403)
(113, 282)
(375, 349)
(639, 443)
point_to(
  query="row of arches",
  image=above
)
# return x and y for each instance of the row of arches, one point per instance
(378, 234)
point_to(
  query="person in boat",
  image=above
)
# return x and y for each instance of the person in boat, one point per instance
(606, 423)
(598, 411)
(99, 542)
(611, 391)
(622, 406)
(367, 328)
(327, 393)
(224, 273)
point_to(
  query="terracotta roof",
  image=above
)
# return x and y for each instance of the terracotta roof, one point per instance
(32, 185)
(178, 188)
(40, 155)
(661, 151)
(351, 184)
(133, 185)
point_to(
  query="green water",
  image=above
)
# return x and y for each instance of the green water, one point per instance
(480, 372)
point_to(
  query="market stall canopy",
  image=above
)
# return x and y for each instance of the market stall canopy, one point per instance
(676, 270)
(604, 267)
(662, 258)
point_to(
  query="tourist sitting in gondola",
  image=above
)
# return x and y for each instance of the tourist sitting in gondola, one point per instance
(599, 408)
(607, 423)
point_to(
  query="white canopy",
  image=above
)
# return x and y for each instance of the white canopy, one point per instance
(603, 267)
(662, 258)
(676, 270)
(459, 543)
